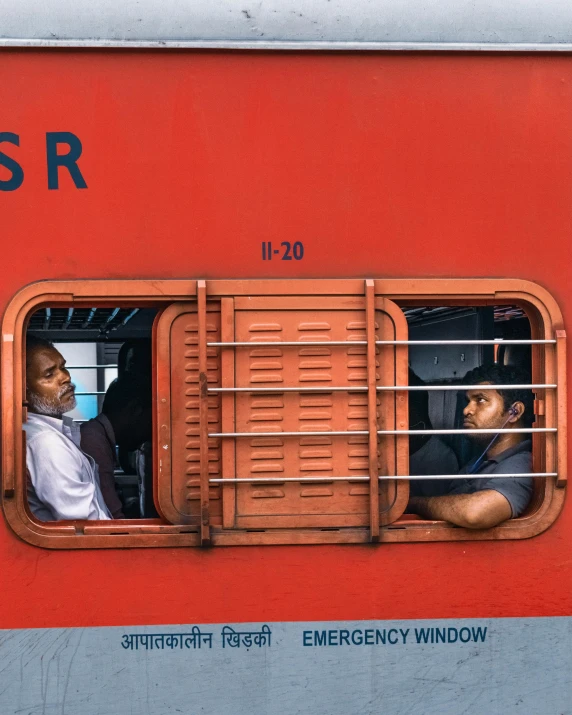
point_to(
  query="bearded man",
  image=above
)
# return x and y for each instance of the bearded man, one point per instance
(63, 481)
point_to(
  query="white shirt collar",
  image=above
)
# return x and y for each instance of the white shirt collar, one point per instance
(65, 425)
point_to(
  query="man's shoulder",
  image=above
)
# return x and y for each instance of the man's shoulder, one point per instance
(37, 429)
(100, 426)
(519, 461)
(92, 427)
(39, 435)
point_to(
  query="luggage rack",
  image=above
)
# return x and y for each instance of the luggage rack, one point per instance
(372, 390)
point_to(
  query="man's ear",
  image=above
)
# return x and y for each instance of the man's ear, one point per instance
(516, 411)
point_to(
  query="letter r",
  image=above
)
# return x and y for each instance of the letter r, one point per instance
(67, 160)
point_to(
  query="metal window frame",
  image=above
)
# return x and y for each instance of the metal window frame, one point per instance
(549, 363)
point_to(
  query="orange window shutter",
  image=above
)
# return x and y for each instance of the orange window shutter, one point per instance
(290, 412)
(179, 408)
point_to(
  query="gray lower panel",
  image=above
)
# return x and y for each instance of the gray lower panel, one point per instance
(513, 665)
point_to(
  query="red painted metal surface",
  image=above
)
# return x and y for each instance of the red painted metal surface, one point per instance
(383, 165)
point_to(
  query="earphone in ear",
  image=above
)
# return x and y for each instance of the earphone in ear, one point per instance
(513, 412)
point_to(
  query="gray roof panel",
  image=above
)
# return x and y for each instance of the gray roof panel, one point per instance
(291, 24)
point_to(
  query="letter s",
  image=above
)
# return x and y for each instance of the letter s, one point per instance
(12, 165)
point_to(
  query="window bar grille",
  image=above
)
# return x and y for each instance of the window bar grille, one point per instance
(561, 398)
(372, 411)
(227, 412)
(371, 345)
(203, 413)
(544, 367)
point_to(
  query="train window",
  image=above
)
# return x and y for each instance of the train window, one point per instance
(108, 359)
(450, 346)
(287, 411)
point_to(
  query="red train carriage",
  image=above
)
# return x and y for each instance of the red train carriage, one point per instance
(288, 208)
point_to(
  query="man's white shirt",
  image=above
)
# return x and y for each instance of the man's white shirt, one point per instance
(64, 480)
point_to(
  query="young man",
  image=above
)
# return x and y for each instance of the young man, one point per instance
(63, 482)
(481, 503)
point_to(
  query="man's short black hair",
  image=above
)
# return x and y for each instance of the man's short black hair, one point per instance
(497, 374)
(33, 342)
(124, 390)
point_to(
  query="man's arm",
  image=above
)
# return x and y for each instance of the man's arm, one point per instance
(481, 510)
(58, 480)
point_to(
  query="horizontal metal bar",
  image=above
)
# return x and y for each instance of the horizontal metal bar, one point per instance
(79, 394)
(437, 388)
(365, 478)
(465, 342)
(344, 388)
(262, 480)
(516, 430)
(88, 367)
(515, 475)
(381, 388)
(383, 342)
(285, 434)
(293, 344)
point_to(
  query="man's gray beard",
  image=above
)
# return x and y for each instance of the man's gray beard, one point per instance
(41, 406)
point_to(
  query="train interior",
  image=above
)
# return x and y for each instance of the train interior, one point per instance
(100, 343)
(447, 364)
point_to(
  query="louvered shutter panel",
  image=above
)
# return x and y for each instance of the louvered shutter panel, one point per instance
(291, 480)
(179, 431)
